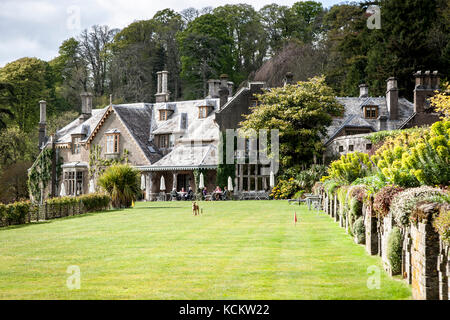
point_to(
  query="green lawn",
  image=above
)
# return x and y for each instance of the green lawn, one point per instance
(235, 250)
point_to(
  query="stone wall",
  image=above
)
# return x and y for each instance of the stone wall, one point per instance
(444, 270)
(424, 262)
(371, 222)
(425, 257)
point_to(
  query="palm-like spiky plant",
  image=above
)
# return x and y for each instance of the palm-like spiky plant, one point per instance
(122, 183)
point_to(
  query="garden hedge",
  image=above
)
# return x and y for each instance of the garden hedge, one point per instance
(24, 211)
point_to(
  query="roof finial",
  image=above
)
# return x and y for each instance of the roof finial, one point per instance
(110, 99)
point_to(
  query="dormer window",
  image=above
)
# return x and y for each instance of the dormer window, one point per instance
(371, 112)
(164, 115)
(112, 141)
(203, 112)
(164, 141)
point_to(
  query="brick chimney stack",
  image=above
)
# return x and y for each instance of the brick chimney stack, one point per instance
(392, 98)
(223, 90)
(86, 105)
(426, 85)
(363, 90)
(162, 92)
(213, 88)
(42, 122)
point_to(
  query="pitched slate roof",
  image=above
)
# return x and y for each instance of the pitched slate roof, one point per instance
(354, 115)
(78, 126)
(186, 156)
(137, 118)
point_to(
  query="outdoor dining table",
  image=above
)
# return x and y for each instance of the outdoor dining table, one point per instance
(213, 194)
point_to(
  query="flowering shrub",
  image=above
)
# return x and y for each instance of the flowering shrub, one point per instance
(383, 198)
(404, 202)
(442, 225)
(285, 189)
(350, 167)
(441, 101)
(357, 191)
(417, 157)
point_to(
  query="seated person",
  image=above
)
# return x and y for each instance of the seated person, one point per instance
(204, 192)
(217, 193)
(226, 194)
(189, 195)
(174, 194)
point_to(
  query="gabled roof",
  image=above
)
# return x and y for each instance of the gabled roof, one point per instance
(64, 135)
(137, 118)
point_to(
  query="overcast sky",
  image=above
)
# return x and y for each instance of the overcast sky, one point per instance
(36, 28)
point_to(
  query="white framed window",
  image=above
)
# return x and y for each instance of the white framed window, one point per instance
(76, 145)
(163, 115)
(371, 112)
(112, 143)
(203, 112)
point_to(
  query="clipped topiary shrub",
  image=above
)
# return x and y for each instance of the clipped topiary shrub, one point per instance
(404, 202)
(95, 202)
(359, 230)
(394, 250)
(355, 208)
(383, 199)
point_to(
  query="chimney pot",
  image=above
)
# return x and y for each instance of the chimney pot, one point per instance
(213, 88)
(363, 90)
(43, 111)
(426, 84)
(86, 105)
(162, 92)
(42, 123)
(392, 98)
(223, 90)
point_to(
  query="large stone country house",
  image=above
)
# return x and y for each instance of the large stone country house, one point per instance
(172, 139)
